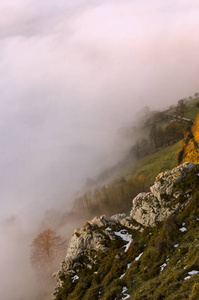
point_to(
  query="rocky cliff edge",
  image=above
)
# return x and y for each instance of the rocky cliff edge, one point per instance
(170, 193)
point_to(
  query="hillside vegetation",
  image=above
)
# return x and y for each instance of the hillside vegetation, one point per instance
(159, 140)
(160, 262)
(141, 262)
(190, 151)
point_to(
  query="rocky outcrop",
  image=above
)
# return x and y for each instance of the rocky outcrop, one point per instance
(93, 237)
(162, 200)
(98, 235)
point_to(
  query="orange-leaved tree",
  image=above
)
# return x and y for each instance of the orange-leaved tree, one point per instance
(45, 248)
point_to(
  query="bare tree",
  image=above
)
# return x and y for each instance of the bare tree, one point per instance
(45, 248)
(181, 107)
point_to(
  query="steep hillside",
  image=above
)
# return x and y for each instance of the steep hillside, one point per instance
(153, 253)
(152, 164)
(157, 140)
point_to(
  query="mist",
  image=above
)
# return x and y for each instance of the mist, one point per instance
(72, 73)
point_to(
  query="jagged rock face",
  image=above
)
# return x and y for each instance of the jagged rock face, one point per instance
(90, 239)
(160, 203)
(91, 236)
(95, 235)
(165, 182)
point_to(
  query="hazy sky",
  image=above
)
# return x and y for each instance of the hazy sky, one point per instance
(71, 74)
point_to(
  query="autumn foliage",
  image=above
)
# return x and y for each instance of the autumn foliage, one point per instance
(191, 147)
(45, 248)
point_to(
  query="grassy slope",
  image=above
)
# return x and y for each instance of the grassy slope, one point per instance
(192, 111)
(160, 161)
(164, 159)
(152, 164)
(143, 279)
(168, 257)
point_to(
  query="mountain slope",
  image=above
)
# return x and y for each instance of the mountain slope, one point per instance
(151, 254)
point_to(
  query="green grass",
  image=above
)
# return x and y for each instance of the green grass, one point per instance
(144, 279)
(160, 161)
(152, 164)
(192, 110)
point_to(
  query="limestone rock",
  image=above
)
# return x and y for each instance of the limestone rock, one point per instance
(164, 183)
(91, 238)
(147, 208)
(160, 202)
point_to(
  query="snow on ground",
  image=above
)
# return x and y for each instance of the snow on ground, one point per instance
(108, 229)
(194, 272)
(126, 296)
(176, 245)
(75, 278)
(126, 237)
(128, 266)
(162, 267)
(138, 257)
(183, 229)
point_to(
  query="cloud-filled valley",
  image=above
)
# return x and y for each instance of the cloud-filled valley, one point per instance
(72, 73)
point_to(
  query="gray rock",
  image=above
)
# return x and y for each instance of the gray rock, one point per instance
(147, 209)
(160, 202)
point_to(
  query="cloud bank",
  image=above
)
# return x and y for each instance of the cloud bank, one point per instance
(72, 73)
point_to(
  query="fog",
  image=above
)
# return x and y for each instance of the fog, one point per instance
(72, 73)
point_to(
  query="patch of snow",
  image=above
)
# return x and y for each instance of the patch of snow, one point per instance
(176, 245)
(95, 272)
(183, 224)
(75, 278)
(122, 276)
(126, 296)
(183, 229)
(138, 257)
(126, 237)
(124, 289)
(197, 219)
(100, 292)
(128, 266)
(108, 229)
(162, 267)
(167, 259)
(193, 272)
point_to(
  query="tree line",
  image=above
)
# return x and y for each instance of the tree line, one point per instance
(159, 137)
(112, 199)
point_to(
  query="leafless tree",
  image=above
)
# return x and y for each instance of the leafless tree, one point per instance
(181, 107)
